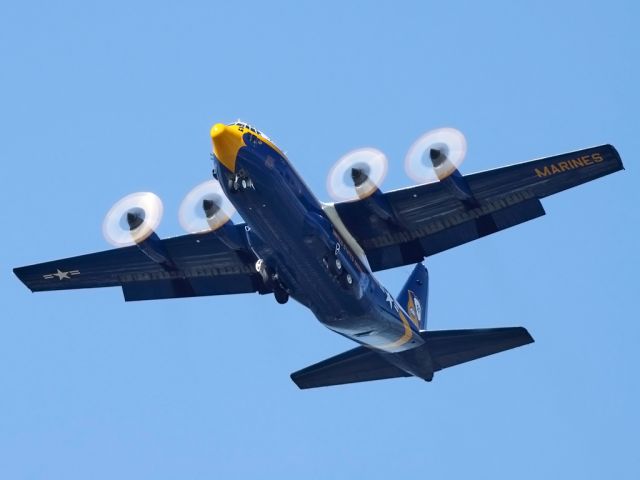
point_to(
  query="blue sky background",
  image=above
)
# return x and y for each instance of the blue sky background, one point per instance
(101, 99)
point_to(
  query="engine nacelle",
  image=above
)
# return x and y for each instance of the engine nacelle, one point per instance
(150, 245)
(459, 188)
(153, 248)
(231, 235)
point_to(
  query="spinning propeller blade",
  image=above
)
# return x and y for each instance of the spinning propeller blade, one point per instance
(357, 174)
(132, 219)
(205, 208)
(435, 155)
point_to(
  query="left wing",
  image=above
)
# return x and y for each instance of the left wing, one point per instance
(427, 219)
(201, 265)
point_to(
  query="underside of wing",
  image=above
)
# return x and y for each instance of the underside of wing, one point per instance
(427, 219)
(201, 264)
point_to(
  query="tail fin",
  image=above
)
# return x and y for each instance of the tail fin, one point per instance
(414, 296)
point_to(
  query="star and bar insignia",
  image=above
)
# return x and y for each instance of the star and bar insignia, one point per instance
(61, 275)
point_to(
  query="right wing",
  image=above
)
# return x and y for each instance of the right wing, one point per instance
(203, 265)
(429, 219)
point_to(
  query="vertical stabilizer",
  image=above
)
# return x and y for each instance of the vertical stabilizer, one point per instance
(414, 296)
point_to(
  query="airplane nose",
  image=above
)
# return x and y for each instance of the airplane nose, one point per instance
(227, 140)
(217, 130)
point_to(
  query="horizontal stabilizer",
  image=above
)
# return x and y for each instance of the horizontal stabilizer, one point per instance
(445, 348)
(453, 347)
(358, 365)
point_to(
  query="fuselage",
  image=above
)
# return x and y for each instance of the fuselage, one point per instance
(299, 242)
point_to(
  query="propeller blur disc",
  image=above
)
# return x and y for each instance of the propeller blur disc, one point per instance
(205, 208)
(357, 174)
(132, 219)
(435, 155)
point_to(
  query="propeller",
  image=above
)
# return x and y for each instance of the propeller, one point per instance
(435, 155)
(357, 174)
(205, 208)
(132, 219)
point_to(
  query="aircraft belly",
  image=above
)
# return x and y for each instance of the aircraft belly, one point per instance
(290, 222)
(378, 330)
(277, 215)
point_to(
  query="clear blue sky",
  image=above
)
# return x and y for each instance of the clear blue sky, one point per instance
(100, 99)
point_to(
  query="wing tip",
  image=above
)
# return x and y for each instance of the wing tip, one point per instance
(617, 155)
(296, 380)
(526, 336)
(19, 273)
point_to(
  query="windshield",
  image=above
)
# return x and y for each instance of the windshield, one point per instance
(250, 128)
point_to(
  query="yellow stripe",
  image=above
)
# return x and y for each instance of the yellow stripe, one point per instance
(406, 336)
(411, 309)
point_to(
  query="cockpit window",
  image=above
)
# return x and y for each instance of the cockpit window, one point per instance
(244, 125)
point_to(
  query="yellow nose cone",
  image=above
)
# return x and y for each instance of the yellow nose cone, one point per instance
(227, 140)
(217, 129)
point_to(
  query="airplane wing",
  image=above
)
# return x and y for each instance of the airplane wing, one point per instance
(429, 219)
(202, 265)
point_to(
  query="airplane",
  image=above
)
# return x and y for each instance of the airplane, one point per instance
(324, 255)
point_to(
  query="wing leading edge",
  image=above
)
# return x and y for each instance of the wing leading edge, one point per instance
(428, 219)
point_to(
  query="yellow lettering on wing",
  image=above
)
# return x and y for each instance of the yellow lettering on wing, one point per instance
(543, 173)
(571, 164)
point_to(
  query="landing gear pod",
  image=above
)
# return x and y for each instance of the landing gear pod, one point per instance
(132, 219)
(272, 280)
(435, 155)
(358, 174)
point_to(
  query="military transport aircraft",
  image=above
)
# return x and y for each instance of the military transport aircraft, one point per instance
(324, 254)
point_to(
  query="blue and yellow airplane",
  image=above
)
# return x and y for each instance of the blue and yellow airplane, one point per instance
(324, 255)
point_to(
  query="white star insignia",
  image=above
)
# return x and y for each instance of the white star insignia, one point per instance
(61, 275)
(389, 299)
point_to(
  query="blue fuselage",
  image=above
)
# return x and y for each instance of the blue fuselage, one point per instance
(291, 231)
